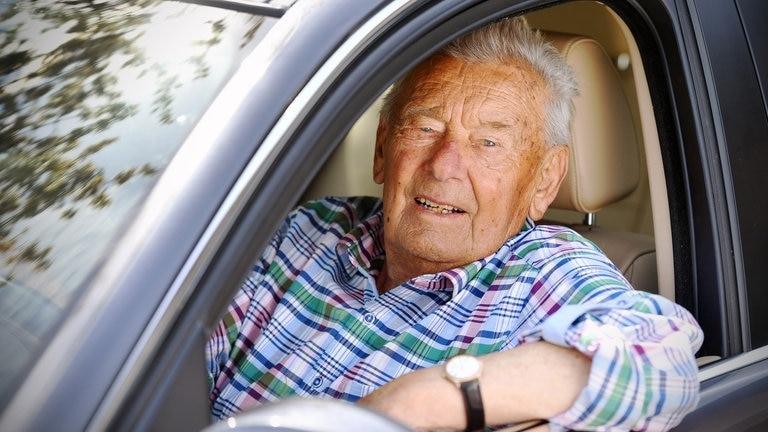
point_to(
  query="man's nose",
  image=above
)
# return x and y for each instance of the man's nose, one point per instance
(448, 159)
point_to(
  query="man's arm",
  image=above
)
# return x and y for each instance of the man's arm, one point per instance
(625, 362)
(533, 381)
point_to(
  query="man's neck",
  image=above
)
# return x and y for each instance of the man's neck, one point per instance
(383, 282)
(387, 279)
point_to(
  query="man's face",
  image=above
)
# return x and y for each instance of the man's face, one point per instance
(460, 161)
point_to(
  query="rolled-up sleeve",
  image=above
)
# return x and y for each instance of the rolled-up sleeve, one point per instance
(644, 372)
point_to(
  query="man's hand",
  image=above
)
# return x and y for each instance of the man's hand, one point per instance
(533, 381)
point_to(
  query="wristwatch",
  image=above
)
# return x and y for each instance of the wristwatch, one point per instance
(464, 372)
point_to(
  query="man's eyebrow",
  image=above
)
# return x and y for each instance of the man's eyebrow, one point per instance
(496, 125)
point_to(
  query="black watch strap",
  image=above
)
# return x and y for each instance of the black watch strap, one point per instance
(473, 404)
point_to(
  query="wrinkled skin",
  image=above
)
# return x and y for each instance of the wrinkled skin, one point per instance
(463, 162)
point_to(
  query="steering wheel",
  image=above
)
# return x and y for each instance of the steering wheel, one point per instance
(308, 415)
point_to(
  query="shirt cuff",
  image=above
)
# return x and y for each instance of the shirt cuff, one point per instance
(557, 325)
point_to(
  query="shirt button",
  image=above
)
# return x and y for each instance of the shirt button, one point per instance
(369, 318)
(317, 381)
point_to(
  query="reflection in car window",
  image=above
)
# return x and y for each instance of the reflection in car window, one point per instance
(95, 98)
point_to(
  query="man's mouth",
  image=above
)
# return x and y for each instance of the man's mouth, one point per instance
(437, 208)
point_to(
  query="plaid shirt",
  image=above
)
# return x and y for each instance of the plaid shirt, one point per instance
(309, 320)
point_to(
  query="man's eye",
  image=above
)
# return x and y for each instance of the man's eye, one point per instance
(489, 143)
(426, 129)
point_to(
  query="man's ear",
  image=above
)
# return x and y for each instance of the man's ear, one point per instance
(554, 167)
(378, 154)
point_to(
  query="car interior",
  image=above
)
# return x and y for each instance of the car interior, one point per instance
(614, 193)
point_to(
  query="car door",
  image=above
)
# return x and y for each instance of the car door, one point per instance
(382, 47)
(727, 44)
(324, 63)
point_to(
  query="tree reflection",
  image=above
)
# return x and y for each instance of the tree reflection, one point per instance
(60, 97)
(95, 98)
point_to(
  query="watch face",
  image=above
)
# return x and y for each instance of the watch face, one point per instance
(462, 368)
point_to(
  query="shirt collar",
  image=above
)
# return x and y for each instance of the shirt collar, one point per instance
(363, 246)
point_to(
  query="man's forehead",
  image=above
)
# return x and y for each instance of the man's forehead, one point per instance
(496, 109)
(463, 77)
(467, 72)
(489, 118)
(492, 94)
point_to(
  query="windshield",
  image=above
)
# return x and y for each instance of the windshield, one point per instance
(95, 99)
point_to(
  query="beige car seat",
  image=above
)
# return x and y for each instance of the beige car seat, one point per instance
(605, 161)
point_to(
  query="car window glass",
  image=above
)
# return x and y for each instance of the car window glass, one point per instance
(95, 99)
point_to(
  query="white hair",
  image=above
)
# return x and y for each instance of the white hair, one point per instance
(512, 39)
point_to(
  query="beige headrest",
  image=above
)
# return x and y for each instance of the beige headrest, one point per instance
(604, 166)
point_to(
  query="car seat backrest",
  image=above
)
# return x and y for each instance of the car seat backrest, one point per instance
(605, 160)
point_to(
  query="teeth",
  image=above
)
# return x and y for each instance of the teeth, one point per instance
(437, 208)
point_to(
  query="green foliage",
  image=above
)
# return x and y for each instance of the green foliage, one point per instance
(60, 103)
(52, 102)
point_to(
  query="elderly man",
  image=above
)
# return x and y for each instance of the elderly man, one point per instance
(442, 304)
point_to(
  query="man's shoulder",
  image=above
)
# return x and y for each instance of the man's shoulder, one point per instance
(343, 212)
(556, 234)
(546, 243)
(330, 206)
